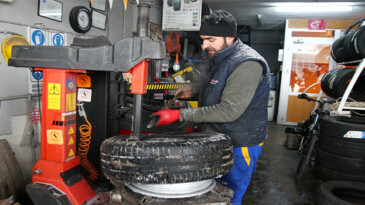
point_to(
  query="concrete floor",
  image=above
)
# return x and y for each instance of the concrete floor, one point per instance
(273, 181)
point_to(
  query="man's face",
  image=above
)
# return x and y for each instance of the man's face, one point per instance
(215, 44)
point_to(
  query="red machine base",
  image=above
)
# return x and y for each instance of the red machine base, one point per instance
(64, 177)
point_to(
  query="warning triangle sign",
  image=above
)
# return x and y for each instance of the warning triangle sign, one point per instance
(71, 141)
(72, 153)
(71, 131)
(54, 90)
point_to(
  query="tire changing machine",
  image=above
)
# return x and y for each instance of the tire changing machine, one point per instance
(56, 176)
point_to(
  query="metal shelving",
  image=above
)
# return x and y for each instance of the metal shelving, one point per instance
(342, 107)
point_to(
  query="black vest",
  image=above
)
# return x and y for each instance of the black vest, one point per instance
(251, 127)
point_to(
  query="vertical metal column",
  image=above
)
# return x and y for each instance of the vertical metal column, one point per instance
(143, 19)
(142, 31)
(137, 114)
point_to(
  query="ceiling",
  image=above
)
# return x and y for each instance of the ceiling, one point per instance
(247, 12)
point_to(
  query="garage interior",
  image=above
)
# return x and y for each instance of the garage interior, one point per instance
(312, 52)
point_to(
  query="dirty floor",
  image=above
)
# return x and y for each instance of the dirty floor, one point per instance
(273, 181)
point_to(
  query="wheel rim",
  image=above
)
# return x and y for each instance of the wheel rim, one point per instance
(178, 190)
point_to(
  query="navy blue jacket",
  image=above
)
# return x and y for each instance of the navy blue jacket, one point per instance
(251, 127)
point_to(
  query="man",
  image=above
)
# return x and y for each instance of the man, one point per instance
(233, 100)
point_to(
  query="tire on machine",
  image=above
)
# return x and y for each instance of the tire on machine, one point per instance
(166, 158)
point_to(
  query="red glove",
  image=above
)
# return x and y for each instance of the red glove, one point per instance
(167, 116)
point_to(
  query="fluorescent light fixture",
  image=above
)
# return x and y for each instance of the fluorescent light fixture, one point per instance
(312, 7)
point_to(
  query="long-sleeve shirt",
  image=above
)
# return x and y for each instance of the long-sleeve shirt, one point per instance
(237, 95)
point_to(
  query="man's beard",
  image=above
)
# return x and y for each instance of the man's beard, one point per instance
(212, 55)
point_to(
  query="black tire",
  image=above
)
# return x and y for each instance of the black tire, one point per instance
(340, 193)
(338, 52)
(353, 44)
(169, 2)
(347, 147)
(328, 79)
(176, 5)
(326, 174)
(335, 83)
(304, 160)
(166, 158)
(339, 163)
(338, 126)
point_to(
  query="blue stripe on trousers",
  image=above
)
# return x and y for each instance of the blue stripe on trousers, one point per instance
(239, 177)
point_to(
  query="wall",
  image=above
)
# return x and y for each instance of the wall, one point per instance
(267, 43)
(15, 19)
(15, 100)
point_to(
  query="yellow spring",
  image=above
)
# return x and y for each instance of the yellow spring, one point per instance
(84, 145)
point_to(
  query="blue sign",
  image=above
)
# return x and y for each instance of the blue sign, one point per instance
(38, 37)
(37, 75)
(70, 82)
(58, 40)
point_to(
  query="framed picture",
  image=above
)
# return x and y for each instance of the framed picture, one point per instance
(51, 9)
(99, 4)
(99, 20)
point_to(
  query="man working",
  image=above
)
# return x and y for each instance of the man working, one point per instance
(233, 100)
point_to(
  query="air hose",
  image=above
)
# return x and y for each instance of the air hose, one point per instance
(84, 145)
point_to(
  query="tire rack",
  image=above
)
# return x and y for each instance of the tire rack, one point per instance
(341, 107)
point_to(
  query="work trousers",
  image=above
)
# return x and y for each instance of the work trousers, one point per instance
(244, 165)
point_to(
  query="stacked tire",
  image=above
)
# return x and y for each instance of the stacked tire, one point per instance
(339, 192)
(335, 82)
(340, 156)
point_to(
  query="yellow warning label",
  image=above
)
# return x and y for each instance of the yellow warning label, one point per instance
(71, 131)
(54, 88)
(54, 137)
(54, 96)
(70, 102)
(71, 153)
(193, 104)
(71, 141)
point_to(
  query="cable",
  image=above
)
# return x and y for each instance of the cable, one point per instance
(84, 145)
(173, 46)
(273, 26)
(354, 103)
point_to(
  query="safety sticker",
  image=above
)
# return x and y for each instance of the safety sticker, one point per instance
(71, 131)
(71, 153)
(71, 141)
(54, 137)
(54, 96)
(355, 134)
(70, 102)
(70, 84)
(83, 81)
(69, 113)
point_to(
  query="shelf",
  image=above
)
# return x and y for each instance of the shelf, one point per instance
(341, 107)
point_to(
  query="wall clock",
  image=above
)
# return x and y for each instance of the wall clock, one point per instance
(80, 19)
